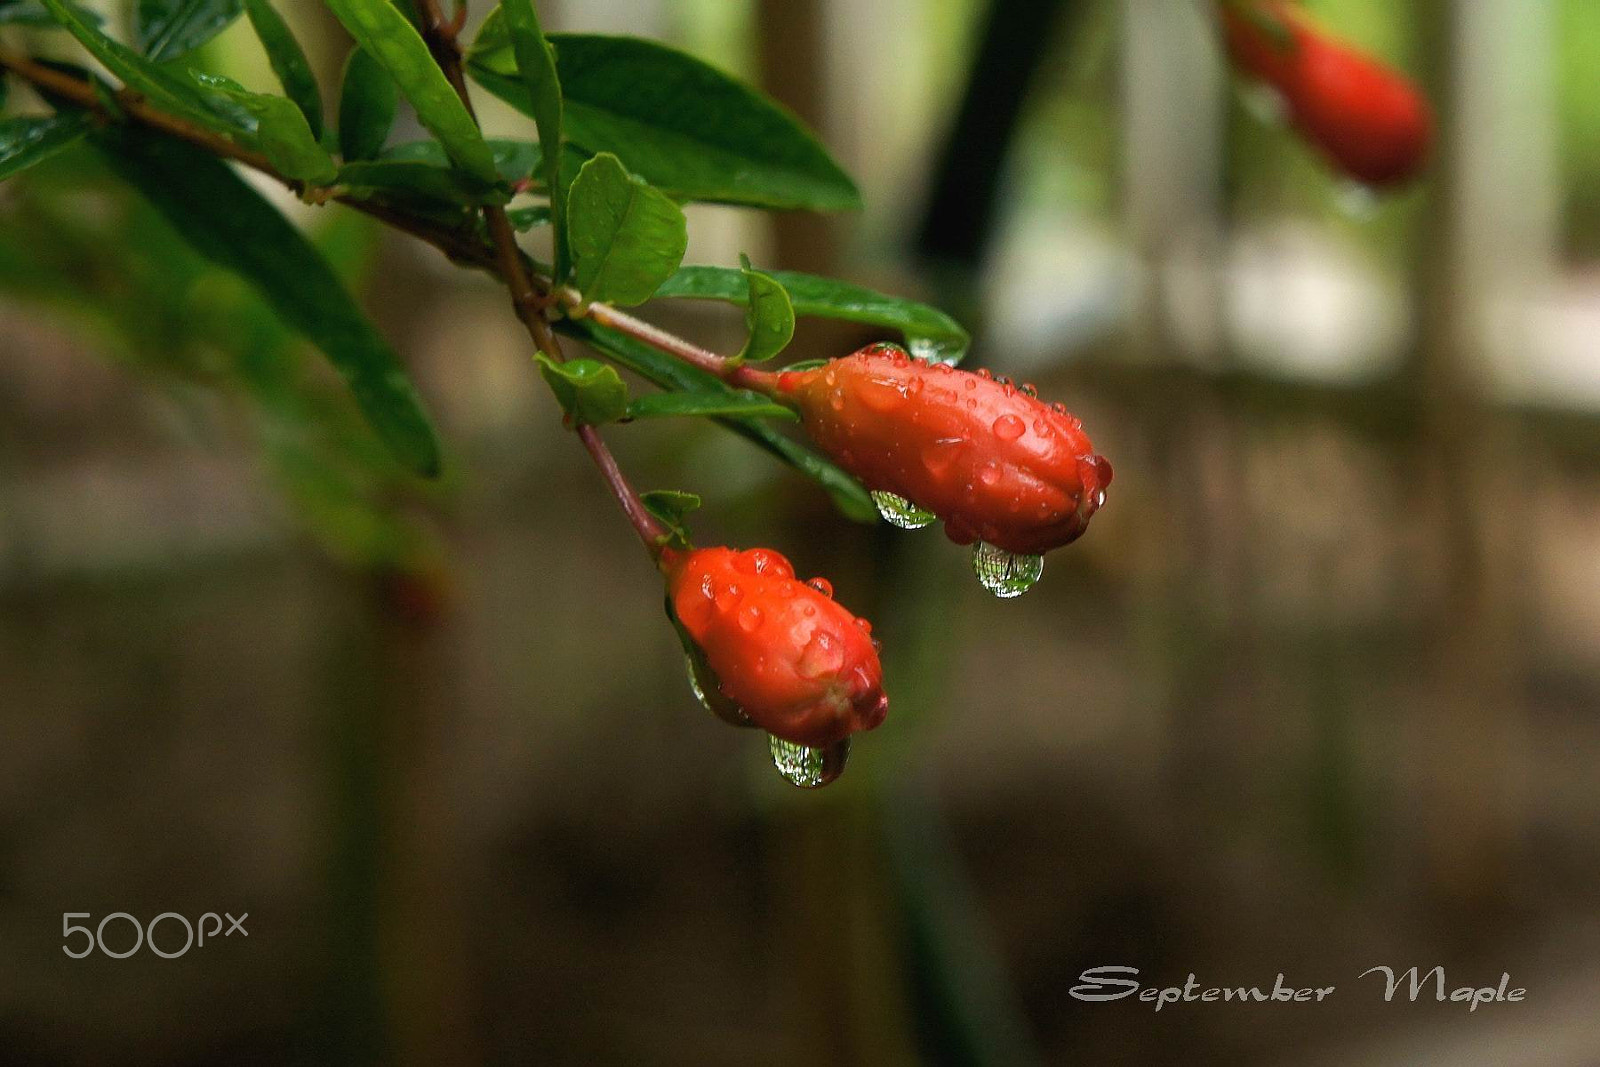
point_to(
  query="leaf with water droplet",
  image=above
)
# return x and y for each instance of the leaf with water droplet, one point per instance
(929, 333)
(670, 506)
(808, 768)
(899, 511)
(1005, 574)
(590, 392)
(768, 314)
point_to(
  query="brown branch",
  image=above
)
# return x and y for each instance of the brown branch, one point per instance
(729, 370)
(526, 297)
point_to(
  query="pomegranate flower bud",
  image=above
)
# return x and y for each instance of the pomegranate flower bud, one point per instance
(1367, 119)
(796, 663)
(993, 461)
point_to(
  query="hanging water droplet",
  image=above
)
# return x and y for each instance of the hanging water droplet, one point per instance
(821, 585)
(899, 511)
(712, 698)
(809, 768)
(931, 351)
(1005, 574)
(1029, 389)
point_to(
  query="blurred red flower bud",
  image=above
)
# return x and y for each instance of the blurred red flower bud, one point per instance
(1369, 120)
(796, 663)
(991, 459)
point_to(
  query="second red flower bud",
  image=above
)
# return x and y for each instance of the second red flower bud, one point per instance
(793, 661)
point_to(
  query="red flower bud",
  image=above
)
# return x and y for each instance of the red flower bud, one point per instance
(797, 664)
(1367, 119)
(992, 460)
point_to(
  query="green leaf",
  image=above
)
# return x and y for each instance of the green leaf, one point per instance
(280, 132)
(167, 29)
(33, 13)
(527, 218)
(267, 124)
(929, 332)
(288, 61)
(626, 237)
(768, 314)
(671, 506)
(367, 100)
(230, 224)
(536, 65)
(741, 402)
(365, 177)
(383, 30)
(514, 160)
(849, 495)
(685, 127)
(26, 141)
(590, 392)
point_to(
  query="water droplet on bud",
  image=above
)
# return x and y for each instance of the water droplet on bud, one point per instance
(1008, 427)
(706, 692)
(899, 511)
(1005, 574)
(750, 617)
(809, 768)
(823, 586)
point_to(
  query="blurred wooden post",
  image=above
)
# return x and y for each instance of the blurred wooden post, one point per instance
(1466, 716)
(1173, 125)
(793, 55)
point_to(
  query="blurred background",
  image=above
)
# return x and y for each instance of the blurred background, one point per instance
(1318, 691)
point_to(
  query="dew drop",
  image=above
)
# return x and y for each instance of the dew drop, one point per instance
(1029, 389)
(899, 511)
(750, 617)
(836, 401)
(914, 386)
(1008, 427)
(823, 586)
(989, 475)
(1005, 574)
(943, 353)
(809, 768)
(985, 372)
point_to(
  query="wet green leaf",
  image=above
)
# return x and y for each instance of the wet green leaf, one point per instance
(231, 225)
(536, 65)
(288, 61)
(682, 125)
(384, 31)
(768, 314)
(671, 507)
(928, 332)
(281, 132)
(167, 29)
(626, 237)
(590, 392)
(26, 141)
(742, 403)
(367, 100)
(267, 124)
